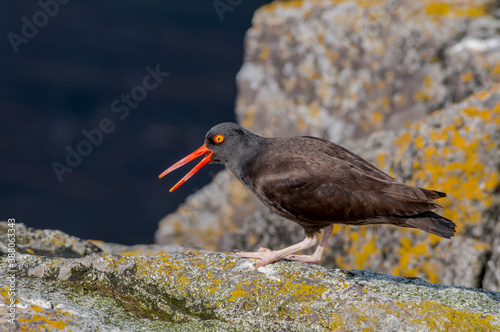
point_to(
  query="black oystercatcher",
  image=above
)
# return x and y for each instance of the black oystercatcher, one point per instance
(316, 184)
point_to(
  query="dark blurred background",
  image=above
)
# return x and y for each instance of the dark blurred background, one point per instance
(64, 79)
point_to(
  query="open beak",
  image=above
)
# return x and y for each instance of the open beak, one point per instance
(202, 150)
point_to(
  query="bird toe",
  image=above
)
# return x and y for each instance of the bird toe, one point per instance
(266, 257)
(305, 258)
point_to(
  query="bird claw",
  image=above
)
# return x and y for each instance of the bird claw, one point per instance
(266, 257)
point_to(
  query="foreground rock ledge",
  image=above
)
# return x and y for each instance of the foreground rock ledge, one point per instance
(221, 292)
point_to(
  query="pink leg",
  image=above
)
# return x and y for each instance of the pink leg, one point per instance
(268, 256)
(316, 257)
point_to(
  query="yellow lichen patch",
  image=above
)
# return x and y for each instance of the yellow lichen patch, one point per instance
(264, 53)
(467, 77)
(381, 160)
(481, 95)
(4, 292)
(302, 124)
(367, 250)
(143, 252)
(449, 319)
(419, 142)
(277, 4)
(133, 253)
(314, 111)
(422, 96)
(237, 293)
(482, 246)
(252, 239)
(456, 9)
(45, 322)
(214, 287)
(249, 116)
(496, 69)
(485, 114)
(36, 308)
(471, 11)
(438, 8)
(492, 182)
(428, 81)
(377, 117)
(366, 3)
(409, 253)
(430, 271)
(238, 193)
(404, 139)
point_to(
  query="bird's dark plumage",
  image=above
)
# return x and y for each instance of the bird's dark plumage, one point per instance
(317, 183)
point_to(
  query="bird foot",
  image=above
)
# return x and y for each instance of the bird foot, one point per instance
(305, 258)
(266, 256)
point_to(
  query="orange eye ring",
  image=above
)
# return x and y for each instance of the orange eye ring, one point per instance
(218, 139)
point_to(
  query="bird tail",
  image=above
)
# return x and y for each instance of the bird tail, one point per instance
(432, 223)
(433, 194)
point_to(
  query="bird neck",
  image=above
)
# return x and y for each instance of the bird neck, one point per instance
(244, 157)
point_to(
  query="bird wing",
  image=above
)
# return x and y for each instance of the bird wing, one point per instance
(321, 181)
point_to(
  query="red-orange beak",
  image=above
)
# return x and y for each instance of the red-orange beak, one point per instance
(202, 150)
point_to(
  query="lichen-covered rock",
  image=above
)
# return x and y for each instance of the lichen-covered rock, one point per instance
(348, 71)
(142, 249)
(344, 69)
(45, 305)
(47, 242)
(492, 269)
(222, 292)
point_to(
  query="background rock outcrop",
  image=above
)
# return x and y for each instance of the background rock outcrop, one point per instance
(346, 69)
(50, 243)
(371, 77)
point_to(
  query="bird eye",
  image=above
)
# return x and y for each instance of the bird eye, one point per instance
(218, 138)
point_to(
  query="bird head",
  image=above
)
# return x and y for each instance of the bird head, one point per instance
(222, 143)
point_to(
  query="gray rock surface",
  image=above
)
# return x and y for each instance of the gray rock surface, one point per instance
(47, 242)
(346, 69)
(220, 292)
(45, 305)
(146, 291)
